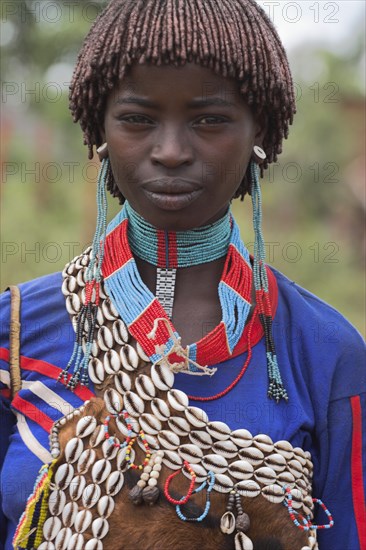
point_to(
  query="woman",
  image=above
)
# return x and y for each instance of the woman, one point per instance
(153, 441)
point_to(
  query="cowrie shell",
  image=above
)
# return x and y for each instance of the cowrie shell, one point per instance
(226, 448)
(263, 442)
(80, 278)
(120, 332)
(178, 400)
(179, 425)
(69, 286)
(172, 460)
(145, 388)
(276, 461)
(242, 542)
(109, 311)
(87, 458)
(241, 469)
(219, 430)
(122, 381)
(241, 438)
(248, 488)
(47, 545)
(56, 502)
(295, 468)
(227, 523)
(162, 377)
(121, 459)
(114, 483)
(252, 455)
(160, 409)
(191, 453)
(69, 514)
(96, 370)
(129, 357)
(169, 440)
(101, 470)
(51, 527)
(218, 464)
(113, 401)
(73, 304)
(196, 417)
(109, 448)
(83, 520)
(121, 426)
(273, 493)
(106, 506)
(73, 449)
(134, 405)
(300, 456)
(149, 424)
(63, 476)
(201, 474)
(85, 426)
(63, 537)
(223, 484)
(265, 475)
(201, 438)
(77, 486)
(286, 478)
(100, 528)
(94, 544)
(76, 542)
(141, 353)
(284, 448)
(97, 436)
(91, 495)
(296, 498)
(152, 441)
(112, 362)
(105, 338)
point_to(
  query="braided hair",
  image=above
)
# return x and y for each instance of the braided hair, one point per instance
(234, 38)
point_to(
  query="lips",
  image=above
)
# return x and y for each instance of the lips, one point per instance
(172, 193)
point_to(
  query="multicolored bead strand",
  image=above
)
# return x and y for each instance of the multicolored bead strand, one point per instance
(307, 524)
(210, 483)
(184, 499)
(88, 313)
(276, 389)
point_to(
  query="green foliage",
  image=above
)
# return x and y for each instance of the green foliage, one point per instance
(313, 213)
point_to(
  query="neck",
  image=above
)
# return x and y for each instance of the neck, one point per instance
(170, 249)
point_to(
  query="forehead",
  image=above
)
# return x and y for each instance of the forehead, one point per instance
(179, 83)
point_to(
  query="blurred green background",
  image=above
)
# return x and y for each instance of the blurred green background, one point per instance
(314, 198)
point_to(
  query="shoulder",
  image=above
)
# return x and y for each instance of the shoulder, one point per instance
(321, 337)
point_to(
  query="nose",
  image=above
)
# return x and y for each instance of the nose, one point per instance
(172, 147)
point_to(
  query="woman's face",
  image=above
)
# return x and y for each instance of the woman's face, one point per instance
(179, 143)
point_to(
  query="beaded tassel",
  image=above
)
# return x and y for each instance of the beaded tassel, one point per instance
(87, 317)
(276, 389)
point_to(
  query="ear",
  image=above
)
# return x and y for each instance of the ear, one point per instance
(261, 129)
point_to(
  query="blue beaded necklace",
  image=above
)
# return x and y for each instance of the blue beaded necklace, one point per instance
(170, 249)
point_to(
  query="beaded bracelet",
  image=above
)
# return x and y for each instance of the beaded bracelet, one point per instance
(307, 524)
(184, 499)
(208, 502)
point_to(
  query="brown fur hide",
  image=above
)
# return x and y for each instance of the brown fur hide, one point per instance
(157, 527)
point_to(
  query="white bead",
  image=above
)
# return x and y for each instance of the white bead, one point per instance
(158, 460)
(154, 475)
(147, 469)
(157, 467)
(141, 483)
(152, 482)
(160, 453)
(145, 476)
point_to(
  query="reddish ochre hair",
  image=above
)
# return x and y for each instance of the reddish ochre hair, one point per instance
(234, 38)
